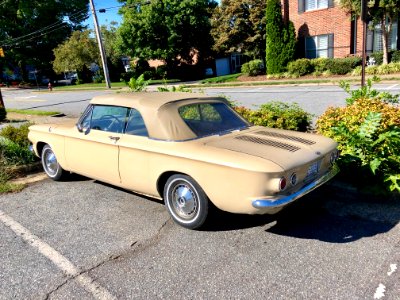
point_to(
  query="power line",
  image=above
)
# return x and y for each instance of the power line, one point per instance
(41, 32)
(10, 42)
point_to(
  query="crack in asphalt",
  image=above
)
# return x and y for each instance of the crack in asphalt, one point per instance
(136, 245)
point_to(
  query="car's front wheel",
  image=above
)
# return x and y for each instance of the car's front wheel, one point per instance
(50, 164)
(186, 201)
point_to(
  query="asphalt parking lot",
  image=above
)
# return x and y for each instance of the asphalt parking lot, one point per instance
(82, 239)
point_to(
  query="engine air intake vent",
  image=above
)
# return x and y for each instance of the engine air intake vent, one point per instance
(266, 142)
(287, 137)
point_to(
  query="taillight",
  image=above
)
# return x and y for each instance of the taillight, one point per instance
(282, 184)
(293, 179)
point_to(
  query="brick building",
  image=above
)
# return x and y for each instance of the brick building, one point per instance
(325, 30)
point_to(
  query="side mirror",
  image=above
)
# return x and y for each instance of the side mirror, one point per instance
(79, 127)
(82, 129)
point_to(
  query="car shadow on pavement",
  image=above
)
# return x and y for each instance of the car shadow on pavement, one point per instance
(322, 215)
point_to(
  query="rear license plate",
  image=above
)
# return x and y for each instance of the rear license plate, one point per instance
(313, 169)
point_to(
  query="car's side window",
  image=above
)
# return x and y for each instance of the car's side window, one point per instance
(135, 125)
(108, 118)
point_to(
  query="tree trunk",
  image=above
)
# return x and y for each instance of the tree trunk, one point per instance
(384, 41)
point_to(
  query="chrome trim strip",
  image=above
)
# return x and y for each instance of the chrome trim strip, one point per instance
(284, 200)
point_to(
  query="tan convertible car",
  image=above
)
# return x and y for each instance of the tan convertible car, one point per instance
(188, 149)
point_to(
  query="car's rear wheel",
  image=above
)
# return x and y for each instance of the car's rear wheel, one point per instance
(186, 201)
(50, 164)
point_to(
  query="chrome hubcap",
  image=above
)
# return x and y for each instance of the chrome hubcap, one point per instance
(184, 201)
(50, 161)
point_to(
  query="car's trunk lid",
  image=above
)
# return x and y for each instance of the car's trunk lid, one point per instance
(285, 148)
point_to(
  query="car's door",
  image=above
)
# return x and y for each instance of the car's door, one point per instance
(93, 151)
(135, 152)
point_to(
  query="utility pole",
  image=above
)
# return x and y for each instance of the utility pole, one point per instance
(101, 48)
(364, 18)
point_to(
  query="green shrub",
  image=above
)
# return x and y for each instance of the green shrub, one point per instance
(278, 115)
(179, 88)
(367, 92)
(342, 66)
(378, 56)
(161, 72)
(138, 84)
(300, 67)
(395, 56)
(280, 39)
(18, 135)
(320, 64)
(253, 68)
(368, 134)
(15, 154)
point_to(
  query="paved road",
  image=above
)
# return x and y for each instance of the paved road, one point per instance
(314, 99)
(82, 239)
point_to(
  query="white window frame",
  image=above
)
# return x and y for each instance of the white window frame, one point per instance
(310, 5)
(319, 51)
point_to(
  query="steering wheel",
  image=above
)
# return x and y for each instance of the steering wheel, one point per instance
(115, 123)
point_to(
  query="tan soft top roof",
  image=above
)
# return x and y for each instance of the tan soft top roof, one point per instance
(159, 111)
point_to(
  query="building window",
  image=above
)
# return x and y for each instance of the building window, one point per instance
(319, 46)
(392, 41)
(307, 5)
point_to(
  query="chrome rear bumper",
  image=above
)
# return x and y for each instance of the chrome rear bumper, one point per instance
(284, 200)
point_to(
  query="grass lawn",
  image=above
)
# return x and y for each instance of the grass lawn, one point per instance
(32, 112)
(114, 85)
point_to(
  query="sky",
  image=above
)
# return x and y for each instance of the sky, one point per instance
(110, 15)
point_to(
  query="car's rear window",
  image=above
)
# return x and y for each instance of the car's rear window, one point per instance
(211, 118)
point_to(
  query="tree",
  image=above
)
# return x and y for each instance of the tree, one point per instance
(239, 26)
(380, 12)
(281, 39)
(114, 62)
(77, 53)
(31, 29)
(171, 30)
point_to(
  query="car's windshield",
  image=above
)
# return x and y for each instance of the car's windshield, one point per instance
(211, 118)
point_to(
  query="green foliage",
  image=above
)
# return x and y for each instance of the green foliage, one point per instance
(380, 13)
(368, 133)
(278, 115)
(367, 92)
(222, 79)
(336, 66)
(300, 67)
(395, 56)
(167, 29)
(14, 145)
(30, 30)
(18, 135)
(253, 68)
(79, 51)
(342, 66)
(138, 84)
(179, 88)
(390, 68)
(281, 39)
(239, 26)
(378, 56)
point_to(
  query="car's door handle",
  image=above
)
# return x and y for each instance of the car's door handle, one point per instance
(114, 138)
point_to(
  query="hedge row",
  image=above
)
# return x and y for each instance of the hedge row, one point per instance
(335, 66)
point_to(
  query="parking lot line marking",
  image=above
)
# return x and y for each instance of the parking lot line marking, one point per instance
(392, 86)
(98, 291)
